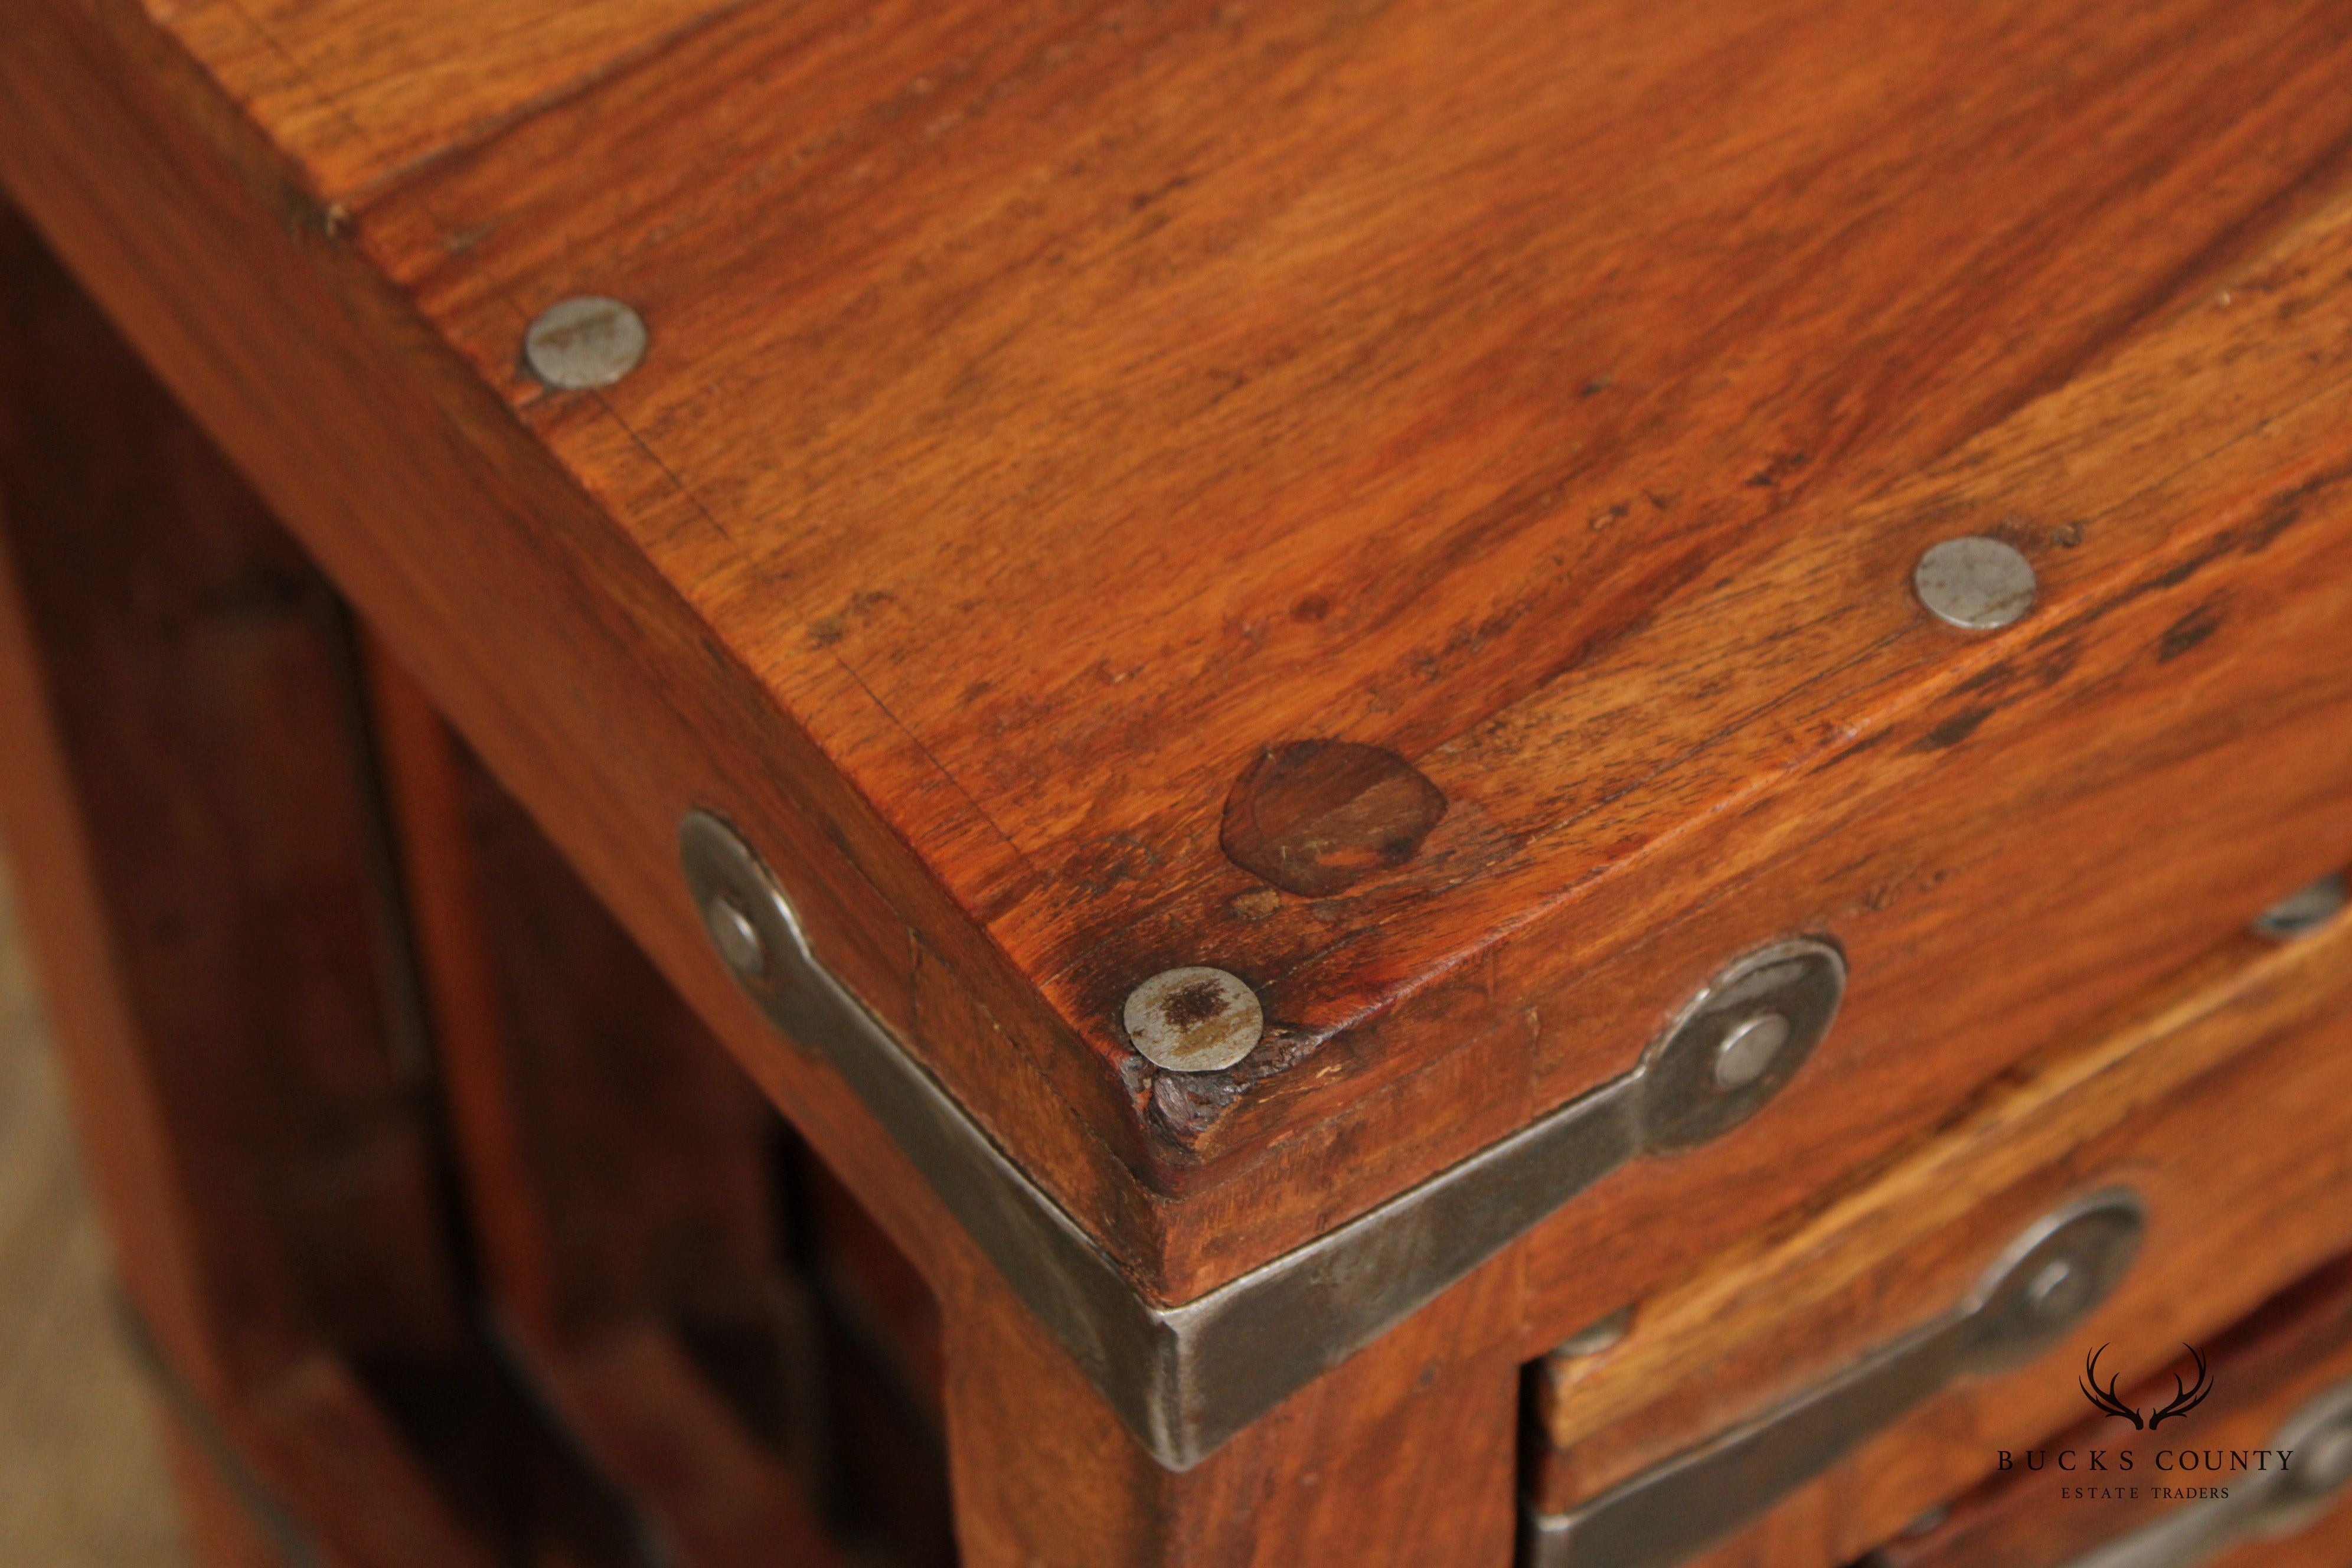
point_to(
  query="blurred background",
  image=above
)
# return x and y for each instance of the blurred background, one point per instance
(84, 1479)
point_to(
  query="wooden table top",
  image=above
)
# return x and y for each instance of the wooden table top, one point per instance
(1354, 494)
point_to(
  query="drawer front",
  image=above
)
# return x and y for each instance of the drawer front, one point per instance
(1799, 1399)
(2209, 1490)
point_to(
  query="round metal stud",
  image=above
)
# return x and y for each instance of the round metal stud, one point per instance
(1605, 1334)
(2056, 1293)
(2320, 1436)
(2328, 1457)
(1736, 1044)
(2304, 911)
(1927, 1523)
(588, 342)
(1749, 1049)
(2052, 1277)
(1194, 1019)
(753, 927)
(1976, 584)
(738, 940)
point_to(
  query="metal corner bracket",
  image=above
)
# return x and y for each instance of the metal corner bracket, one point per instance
(1186, 1378)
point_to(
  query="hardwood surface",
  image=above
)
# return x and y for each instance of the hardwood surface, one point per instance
(619, 1168)
(362, 95)
(598, 695)
(982, 346)
(1402, 1457)
(190, 809)
(2261, 1373)
(2201, 1020)
(2220, 1100)
(1398, 329)
(1413, 504)
(174, 664)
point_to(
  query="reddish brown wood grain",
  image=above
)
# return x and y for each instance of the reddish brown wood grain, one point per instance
(572, 670)
(1403, 1457)
(742, 1351)
(1824, 1283)
(188, 814)
(619, 1164)
(2218, 1100)
(1345, 375)
(1051, 410)
(363, 93)
(1086, 814)
(641, 1149)
(1408, 501)
(2262, 1372)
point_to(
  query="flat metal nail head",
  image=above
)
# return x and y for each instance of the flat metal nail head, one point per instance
(583, 342)
(1194, 1019)
(1976, 583)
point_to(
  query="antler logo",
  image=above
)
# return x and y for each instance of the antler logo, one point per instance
(2184, 1398)
(2107, 1398)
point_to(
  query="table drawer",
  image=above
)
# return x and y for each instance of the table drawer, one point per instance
(1797, 1400)
(2273, 1438)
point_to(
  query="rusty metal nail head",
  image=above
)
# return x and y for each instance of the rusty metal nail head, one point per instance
(1194, 1019)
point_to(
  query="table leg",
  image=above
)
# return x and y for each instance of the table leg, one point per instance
(1402, 1457)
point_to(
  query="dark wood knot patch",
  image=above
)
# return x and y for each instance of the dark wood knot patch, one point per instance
(1315, 817)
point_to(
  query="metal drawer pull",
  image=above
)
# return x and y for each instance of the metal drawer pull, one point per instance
(2261, 1506)
(2049, 1279)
